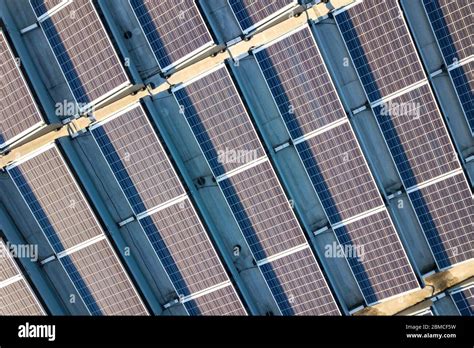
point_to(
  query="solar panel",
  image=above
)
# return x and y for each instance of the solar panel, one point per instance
(175, 30)
(446, 213)
(17, 297)
(84, 52)
(381, 48)
(219, 121)
(252, 13)
(137, 159)
(219, 302)
(262, 211)
(252, 190)
(464, 300)
(300, 83)
(19, 113)
(101, 281)
(452, 24)
(54, 198)
(463, 80)
(376, 257)
(298, 285)
(339, 173)
(182, 245)
(416, 136)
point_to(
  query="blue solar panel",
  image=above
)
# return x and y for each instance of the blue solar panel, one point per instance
(463, 80)
(464, 301)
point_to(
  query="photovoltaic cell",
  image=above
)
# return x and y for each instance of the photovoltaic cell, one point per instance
(55, 200)
(102, 282)
(464, 300)
(262, 211)
(299, 286)
(463, 80)
(381, 48)
(300, 84)
(446, 213)
(19, 112)
(339, 173)
(7, 266)
(453, 27)
(184, 249)
(138, 160)
(219, 121)
(416, 136)
(174, 29)
(84, 52)
(18, 299)
(250, 13)
(379, 262)
(220, 302)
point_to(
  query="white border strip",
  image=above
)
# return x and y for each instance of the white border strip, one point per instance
(14, 279)
(359, 217)
(430, 182)
(400, 92)
(163, 206)
(242, 168)
(197, 78)
(345, 8)
(320, 130)
(114, 116)
(278, 39)
(282, 254)
(51, 11)
(81, 246)
(205, 291)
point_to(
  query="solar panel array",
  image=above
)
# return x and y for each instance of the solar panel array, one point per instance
(464, 300)
(381, 48)
(214, 112)
(19, 112)
(40, 7)
(17, 296)
(412, 127)
(175, 30)
(84, 52)
(323, 137)
(463, 80)
(453, 27)
(55, 200)
(251, 13)
(151, 185)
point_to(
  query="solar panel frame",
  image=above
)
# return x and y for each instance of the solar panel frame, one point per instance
(423, 136)
(25, 302)
(241, 135)
(381, 252)
(321, 112)
(222, 66)
(462, 78)
(417, 74)
(262, 20)
(54, 241)
(67, 262)
(457, 190)
(35, 120)
(165, 63)
(463, 298)
(146, 139)
(49, 6)
(86, 104)
(454, 50)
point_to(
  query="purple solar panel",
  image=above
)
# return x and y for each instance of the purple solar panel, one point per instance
(446, 213)
(298, 285)
(339, 173)
(218, 303)
(138, 160)
(54, 198)
(84, 52)
(378, 260)
(416, 136)
(300, 83)
(381, 48)
(19, 112)
(175, 30)
(262, 211)
(251, 13)
(219, 121)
